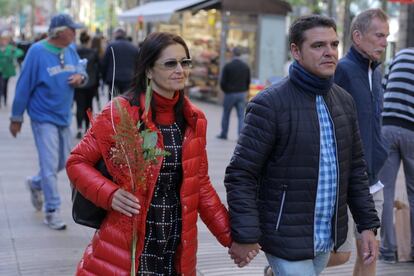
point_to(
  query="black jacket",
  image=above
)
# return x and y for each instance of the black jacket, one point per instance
(278, 153)
(92, 68)
(126, 55)
(235, 77)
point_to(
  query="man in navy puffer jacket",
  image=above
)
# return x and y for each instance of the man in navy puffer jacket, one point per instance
(359, 73)
(299, 162)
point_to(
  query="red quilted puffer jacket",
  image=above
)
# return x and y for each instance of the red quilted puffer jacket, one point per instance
(109, 252)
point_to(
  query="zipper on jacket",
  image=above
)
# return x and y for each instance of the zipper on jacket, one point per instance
(282, 203)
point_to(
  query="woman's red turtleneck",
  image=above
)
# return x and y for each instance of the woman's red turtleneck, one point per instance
(164, 108)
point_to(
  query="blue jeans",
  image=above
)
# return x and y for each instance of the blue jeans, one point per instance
(311, 267)
(53, 144)
(401, 149)
(237, 100)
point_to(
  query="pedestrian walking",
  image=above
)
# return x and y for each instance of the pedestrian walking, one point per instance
(299, 161)
(84, 95)
(234, 82)
(8, 61)
(97, 44)
(359, 73)
(125, 61)
(177, 187)
(398, 130)
(45, 89)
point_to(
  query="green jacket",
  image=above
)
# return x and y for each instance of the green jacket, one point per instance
(8, 55)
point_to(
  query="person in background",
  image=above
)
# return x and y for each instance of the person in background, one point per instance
(398, 130)
(97, 43)
(234, 82)
(299, 161)
(125, 61)
(8, 60)
(45, 89)
(179, 188)
(23, 45)
(84, 95)
(359, 73)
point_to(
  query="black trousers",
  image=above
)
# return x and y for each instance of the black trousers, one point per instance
(3, 86)
(83, 99)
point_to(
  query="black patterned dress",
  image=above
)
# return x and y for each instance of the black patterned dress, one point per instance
(164, 215)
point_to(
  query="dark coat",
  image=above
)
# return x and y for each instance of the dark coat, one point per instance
(277, 157)
(352, 75)
(126, 55)
(235, 77)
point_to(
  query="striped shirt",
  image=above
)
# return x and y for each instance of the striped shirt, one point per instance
(327, 180)
(399, 90)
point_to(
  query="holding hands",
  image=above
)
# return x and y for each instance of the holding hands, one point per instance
(242, 254)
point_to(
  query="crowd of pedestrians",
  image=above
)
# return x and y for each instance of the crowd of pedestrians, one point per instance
(314, 167)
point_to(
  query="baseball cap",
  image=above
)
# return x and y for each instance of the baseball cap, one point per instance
(63, 20)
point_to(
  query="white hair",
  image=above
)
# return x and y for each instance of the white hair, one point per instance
(54, 32)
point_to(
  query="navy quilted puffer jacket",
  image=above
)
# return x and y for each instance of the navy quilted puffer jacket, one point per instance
(272, 178)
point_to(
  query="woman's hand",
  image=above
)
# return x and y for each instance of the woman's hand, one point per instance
(125, 203)
(243, 254)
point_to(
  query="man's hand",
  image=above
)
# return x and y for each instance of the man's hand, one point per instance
(369, 247)
(15, 128)
(75, 80)
(125, 203)
(242, 254)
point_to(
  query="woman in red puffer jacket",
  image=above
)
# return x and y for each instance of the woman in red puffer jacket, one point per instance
(177, 187)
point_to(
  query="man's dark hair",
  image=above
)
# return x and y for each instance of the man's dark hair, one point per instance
(119, 33)
(237, 51)
(304, 23)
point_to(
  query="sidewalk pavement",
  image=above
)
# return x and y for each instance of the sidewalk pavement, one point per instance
(28, 247)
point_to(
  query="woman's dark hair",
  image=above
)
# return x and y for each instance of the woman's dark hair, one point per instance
(96, 43)
(149, 52)
(304, 23)
(84, 37)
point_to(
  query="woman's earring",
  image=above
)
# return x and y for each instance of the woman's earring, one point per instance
(148, 96)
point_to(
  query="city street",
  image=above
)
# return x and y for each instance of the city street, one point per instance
(28, 247)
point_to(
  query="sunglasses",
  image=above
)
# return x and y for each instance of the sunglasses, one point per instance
(62, 59)
(172, 64)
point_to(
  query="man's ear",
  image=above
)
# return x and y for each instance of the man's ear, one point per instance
(295, 51)
(356, 37)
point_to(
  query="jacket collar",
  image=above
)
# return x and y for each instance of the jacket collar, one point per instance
(362, 61)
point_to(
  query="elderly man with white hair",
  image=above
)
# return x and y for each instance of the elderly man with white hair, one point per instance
(45, 88)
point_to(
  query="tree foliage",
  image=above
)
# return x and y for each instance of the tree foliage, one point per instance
(9, 7)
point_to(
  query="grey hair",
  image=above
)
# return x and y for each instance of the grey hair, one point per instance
(53, 33)
(362, 21)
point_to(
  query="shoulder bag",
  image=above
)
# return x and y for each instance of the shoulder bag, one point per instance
(84, 212)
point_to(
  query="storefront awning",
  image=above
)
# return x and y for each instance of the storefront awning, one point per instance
(256, 6)
(155, 11)
(203, 5)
